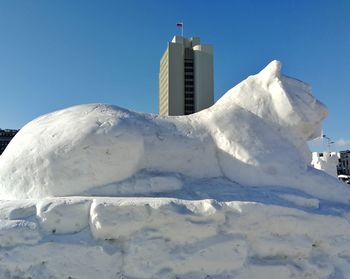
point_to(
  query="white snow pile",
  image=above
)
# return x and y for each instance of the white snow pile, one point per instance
(97, 191)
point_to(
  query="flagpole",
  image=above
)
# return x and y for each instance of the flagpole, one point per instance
(181, 24)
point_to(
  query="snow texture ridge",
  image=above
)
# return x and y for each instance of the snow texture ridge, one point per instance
(97, 191)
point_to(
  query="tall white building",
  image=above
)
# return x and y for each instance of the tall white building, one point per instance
(186, 77)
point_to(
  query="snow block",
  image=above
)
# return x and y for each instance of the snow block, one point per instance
(18, 232)
(63, 216)
(17, 209)
(59, 260)
(120, 218)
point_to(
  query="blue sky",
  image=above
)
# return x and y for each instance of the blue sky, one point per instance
(55, 54)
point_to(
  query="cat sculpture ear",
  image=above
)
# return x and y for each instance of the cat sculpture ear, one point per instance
(271, 71)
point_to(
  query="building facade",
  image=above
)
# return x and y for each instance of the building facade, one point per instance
(5, 138)
(344, 164)
(186, 77)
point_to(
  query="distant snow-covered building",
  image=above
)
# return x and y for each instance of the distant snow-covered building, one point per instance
(326, 161)
(333, 163)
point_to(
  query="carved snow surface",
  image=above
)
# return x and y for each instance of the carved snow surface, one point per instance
(97, 191)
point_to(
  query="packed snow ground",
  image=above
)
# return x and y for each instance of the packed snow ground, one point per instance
(96, 191)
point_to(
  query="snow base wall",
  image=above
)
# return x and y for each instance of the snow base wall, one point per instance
(170, 238)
